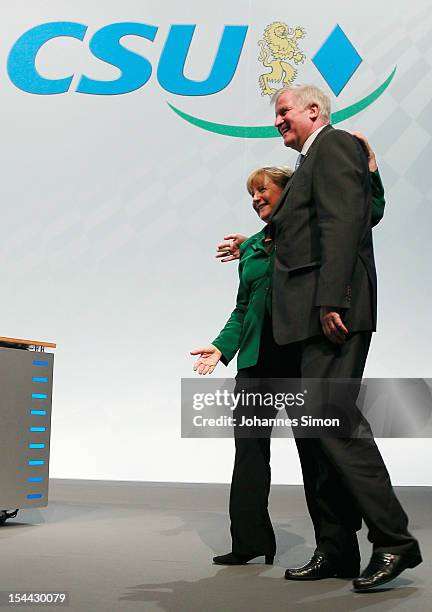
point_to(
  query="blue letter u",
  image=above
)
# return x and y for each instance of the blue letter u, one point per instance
(172, 62)
(21, 61)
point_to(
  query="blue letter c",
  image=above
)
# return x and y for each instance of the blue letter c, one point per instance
(21, 61)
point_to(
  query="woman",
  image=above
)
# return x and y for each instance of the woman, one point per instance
(249, 331)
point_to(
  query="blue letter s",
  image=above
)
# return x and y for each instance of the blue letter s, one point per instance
(135, 69)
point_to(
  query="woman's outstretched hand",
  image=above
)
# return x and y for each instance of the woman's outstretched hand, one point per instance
(208, 360)
(230, 250)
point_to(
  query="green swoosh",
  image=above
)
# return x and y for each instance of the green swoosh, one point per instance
(269, 131)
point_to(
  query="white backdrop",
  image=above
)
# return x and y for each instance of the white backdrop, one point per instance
(112, 206)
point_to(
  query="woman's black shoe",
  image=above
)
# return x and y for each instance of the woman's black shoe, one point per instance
(232, 559)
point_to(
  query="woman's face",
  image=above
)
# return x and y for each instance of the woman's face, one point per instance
(265, 194)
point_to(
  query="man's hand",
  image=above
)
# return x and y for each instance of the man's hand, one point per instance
(373, 166)
(332, 324)
(209, 359)
(229, 251)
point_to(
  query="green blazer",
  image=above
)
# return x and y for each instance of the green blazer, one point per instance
(242, 331)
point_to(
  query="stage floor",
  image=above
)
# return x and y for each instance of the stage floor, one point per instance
(120, 546)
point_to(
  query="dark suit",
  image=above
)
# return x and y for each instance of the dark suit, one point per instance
(323, 238)
(324, 257)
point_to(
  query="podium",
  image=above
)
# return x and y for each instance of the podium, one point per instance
(26, 376)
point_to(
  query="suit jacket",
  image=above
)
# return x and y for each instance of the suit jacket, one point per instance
(323, 241)
(242, 331)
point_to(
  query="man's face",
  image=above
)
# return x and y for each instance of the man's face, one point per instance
(294, 123)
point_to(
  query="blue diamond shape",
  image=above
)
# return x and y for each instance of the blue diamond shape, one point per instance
(337, 60)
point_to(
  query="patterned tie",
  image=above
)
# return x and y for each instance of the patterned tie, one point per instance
(300, 159)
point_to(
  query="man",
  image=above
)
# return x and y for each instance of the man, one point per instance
(324, 299)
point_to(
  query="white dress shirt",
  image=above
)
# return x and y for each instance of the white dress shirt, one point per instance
(308, 143)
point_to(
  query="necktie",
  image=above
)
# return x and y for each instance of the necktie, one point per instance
(300, 158)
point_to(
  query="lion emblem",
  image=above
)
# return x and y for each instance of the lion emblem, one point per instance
(278, 47)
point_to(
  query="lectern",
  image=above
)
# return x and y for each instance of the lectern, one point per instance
(26, 376)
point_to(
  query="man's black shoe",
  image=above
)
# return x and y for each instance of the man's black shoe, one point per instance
(382, 568)
(232, 559)
(320, 567)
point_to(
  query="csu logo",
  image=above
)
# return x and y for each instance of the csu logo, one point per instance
(279, 52)
(135, 69)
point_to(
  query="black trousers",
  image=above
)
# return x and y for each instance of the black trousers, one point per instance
(251, 527)
(345, 479)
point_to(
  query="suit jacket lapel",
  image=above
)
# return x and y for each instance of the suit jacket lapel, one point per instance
(291, 180)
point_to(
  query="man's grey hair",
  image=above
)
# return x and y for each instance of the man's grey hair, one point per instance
(307, 95)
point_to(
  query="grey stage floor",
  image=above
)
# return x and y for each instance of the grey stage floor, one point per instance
(124, 546)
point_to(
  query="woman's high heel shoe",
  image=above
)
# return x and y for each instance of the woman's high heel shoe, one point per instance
(232, 559)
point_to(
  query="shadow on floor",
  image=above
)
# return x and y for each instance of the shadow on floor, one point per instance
(213, 530)
(248, 588)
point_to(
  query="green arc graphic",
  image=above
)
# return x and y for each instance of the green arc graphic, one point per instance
(269, 131)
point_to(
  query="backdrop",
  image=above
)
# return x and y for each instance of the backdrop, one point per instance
(121, 170)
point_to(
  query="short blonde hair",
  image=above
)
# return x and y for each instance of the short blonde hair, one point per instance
(307, 95)
(278, 174)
